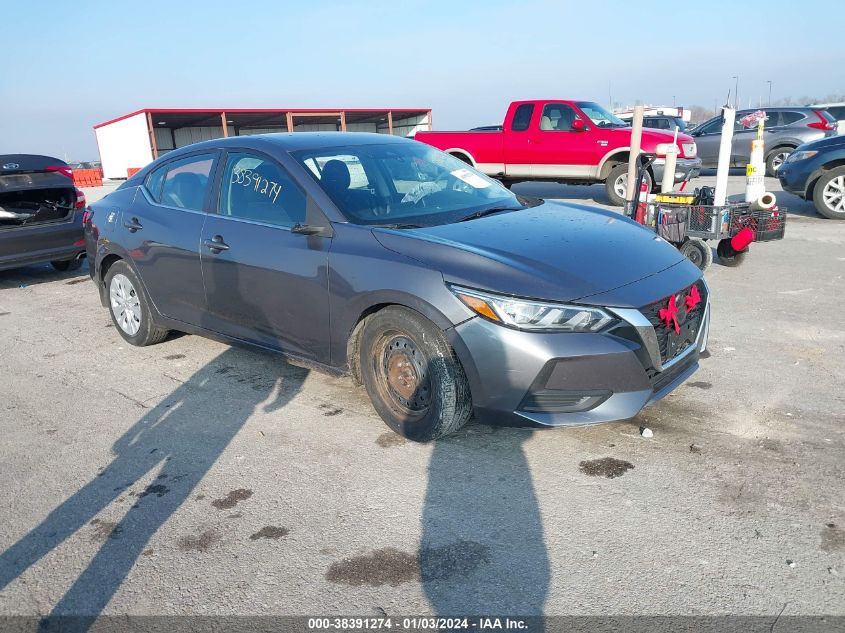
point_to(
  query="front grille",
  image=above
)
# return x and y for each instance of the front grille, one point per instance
(672, 344)
(659, 379)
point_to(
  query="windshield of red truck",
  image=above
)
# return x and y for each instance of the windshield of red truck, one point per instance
(403, 183)
(599, 116)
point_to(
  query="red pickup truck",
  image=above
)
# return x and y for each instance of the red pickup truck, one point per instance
(576, 142)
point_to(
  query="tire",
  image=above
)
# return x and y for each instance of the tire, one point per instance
(413, 378)
(829, 194)
(698, 252)
(728, 256)
(775, 158)
(67, 265)
(615, 185)
(134, 319)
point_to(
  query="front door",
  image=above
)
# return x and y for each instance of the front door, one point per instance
(707, 139)
(161, 232)
(265, 284)
(561, 150)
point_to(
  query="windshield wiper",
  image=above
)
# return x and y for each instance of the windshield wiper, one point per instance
(399, 226)
(490, 211)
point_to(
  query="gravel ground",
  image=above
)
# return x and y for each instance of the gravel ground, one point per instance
(194, 477)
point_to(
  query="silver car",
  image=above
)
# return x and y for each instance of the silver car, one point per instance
(786, 128)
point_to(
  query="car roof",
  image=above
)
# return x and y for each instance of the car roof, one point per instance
(292, 141)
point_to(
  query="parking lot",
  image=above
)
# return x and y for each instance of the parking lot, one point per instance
(194, 477)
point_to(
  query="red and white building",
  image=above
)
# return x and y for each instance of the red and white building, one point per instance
(135, 139)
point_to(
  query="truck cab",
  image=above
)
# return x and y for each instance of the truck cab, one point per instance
(566, 141)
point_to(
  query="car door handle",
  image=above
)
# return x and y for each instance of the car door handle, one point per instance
(133, 225)
(216, 244)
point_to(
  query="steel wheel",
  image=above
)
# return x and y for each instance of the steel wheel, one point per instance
(403, 374)
(125, 304)
(833, 194)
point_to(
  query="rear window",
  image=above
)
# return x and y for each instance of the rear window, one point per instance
(522, 117)
(788, 118)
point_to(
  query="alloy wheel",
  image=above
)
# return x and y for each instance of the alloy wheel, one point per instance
(833, 194)
(125, 304)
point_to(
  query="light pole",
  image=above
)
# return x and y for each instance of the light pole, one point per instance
(736, 91)
(770, 92)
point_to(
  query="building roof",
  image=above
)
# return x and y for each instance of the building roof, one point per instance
(257, 117)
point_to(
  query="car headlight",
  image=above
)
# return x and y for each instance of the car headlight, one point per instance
(524, 314)
(802, 155)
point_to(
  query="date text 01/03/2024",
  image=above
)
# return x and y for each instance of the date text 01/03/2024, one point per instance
(416, 624)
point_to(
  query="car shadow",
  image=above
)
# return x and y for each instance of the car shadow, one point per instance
(483, 550)
(40, 274)
(178, 441)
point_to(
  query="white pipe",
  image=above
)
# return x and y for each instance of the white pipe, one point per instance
(755, 186)
(728, 116)
(636, 143)
(668, 182)
(766, 202)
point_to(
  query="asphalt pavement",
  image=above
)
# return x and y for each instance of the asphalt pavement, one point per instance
(192, 477)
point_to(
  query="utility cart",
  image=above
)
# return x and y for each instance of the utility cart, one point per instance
(689, 220)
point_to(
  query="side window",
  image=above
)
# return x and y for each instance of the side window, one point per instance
(774, 119)
(788, 118)
(259, 189)
(522, 117)
(153, 182)
(557, 117)
(714, 127)
(186, 182)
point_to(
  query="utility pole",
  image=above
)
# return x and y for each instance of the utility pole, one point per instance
(770, 92)
(673, 101)
(736, 91)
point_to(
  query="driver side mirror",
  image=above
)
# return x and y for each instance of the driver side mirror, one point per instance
(578, 125)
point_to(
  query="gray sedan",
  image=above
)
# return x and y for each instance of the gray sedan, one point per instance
(441, 291)
(786, 128)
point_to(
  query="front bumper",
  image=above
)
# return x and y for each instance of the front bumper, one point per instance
(795, 176)
(561, 379)
(682, 167)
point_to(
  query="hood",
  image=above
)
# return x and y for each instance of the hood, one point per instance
(651, 138)
(828, 142)
(553, 251)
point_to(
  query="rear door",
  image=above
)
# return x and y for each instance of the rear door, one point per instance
(265, 284)
(161, 231)
(517, 147)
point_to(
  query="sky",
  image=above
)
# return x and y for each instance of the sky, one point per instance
(69, 65)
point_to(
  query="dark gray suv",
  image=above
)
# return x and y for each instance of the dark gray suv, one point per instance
(786, 128)
(439, 289)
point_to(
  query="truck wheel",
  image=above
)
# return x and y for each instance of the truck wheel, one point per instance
(775, 159)
(829, 194)
(616, 184)
(698, 252)
(413, 378)
(728, 256)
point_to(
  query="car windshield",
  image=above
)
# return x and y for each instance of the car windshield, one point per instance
(404, 184)
(600, 116)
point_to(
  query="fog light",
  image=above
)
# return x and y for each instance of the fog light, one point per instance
(557, 401)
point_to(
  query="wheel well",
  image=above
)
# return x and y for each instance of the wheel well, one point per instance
(811, 185)
(611, 162)
(106, 264)
(353, 342)
(461, 156)
(777, 147)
